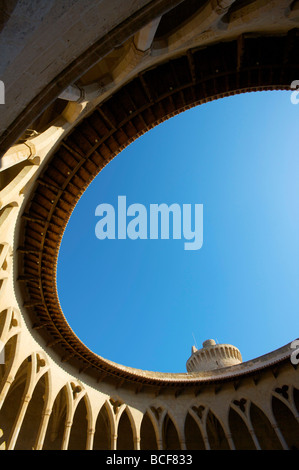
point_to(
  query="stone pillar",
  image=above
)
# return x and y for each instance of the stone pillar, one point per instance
(280, 437)
(90, 437)
(160, 444)
(19, 422)
(5, 389)
(114, 442)
(230, 441)
(137, 443)
(254, 438)
(43, 429)
(66, 435)
(183, 445)
(276, 429)
(206, 442)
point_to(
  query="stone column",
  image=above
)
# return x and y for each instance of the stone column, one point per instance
(19, 422)
(254, 438)
(183, 445)
(137, 443)
(90, 437)
(5, 389)
(66, 435)
(160, 444)
(276, 429)
(230, 441)
(114, 442)
(43, 429)
(280, 437)
(206, 442)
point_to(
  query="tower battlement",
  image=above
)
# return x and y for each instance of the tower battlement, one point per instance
(213, 356)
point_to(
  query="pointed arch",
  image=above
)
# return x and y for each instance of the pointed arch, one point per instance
(193, 435)
(12, 403)
(32, 420)
(10, 351)
(9, 336)
(170, 435)
(78, 434)
(55, 429)
(263, 429)
(286, 422)
(239, 431)
(215, 433)
(103, 429)
(125, 436)
(148, 433)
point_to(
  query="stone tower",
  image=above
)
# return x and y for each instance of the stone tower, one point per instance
(213, 356)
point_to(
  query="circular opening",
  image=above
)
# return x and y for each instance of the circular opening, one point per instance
(144, 302)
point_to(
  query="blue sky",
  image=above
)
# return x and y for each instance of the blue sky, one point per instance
(144, 303)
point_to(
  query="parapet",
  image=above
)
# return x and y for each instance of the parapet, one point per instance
(213, 356)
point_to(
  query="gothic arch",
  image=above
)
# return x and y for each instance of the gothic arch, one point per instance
(193, 436)
(11, 407)
(148, 433)
(79, 427)
(263, 429)
(9, 352)
(125, 431)
(28, 434)
(10, 331)
(240, 433)
(55, 428)
(170, 434)
(103, 429)
(215, 432)
(286, 422)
